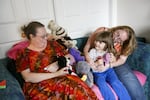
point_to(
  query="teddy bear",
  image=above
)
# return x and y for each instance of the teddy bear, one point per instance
(61, 36)
(56, 30)
(83, 70)
(70, 45)
(67, 42)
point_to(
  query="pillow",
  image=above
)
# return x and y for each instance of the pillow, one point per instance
(141, 77)
(12, 52)
(98, 93)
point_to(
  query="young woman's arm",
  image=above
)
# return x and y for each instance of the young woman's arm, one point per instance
(121, 60)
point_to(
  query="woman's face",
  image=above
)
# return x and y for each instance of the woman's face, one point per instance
(99, 45)
(40, 39)
(120, 36)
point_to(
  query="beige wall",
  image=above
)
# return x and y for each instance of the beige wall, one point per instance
(79, 17)
(135, 13)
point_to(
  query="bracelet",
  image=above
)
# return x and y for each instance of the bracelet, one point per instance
(46, 68)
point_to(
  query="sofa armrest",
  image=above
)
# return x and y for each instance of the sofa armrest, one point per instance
(13, 90)
(140, 60)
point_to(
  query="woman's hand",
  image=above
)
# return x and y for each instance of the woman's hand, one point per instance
(63, 71)
(52, 67)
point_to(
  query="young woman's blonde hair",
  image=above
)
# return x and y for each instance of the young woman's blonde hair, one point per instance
(105, 37)
(130, 44)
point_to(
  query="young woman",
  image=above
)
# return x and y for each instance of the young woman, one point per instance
(124, 42)
(102, 70)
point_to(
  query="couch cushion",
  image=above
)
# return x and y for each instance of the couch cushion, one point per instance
(81, 43)
(141, 77)
(140, 60)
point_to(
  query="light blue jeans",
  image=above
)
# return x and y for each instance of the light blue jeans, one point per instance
(130, 81)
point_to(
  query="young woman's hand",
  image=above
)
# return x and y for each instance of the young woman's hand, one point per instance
(112, 58)
(101, 29)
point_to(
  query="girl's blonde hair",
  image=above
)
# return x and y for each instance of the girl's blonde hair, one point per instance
(130, 44)
(107, 39)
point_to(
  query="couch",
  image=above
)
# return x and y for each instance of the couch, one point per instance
(139, 60)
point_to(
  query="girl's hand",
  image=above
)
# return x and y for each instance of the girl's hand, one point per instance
(91, 63)
(100, 62)
(102, 67)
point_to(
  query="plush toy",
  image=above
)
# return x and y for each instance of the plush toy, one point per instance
(67, 42)
(60, 35)
(57, 31)
(70, 45)
(83, 70)
(63, 62)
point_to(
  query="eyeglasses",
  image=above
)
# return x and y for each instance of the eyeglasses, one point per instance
(43, 36)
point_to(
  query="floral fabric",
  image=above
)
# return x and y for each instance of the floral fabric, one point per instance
(67, 87)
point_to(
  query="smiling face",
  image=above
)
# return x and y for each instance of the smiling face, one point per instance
(99, 45)
(120, 36)
(126, 36)
(40, 39)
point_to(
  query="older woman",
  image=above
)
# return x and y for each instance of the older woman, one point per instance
(38, 66)
(124, 42)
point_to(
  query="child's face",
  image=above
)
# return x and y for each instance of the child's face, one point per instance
(99, 45)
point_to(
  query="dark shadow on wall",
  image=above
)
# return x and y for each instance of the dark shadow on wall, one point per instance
(145, 32)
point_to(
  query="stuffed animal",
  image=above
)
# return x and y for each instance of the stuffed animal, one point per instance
(67, 42)
(57, 31)
(70, 45)
(63, 62)
(83, 70)
(60, 35)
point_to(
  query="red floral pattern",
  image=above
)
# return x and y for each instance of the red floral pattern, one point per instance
(67, 87)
